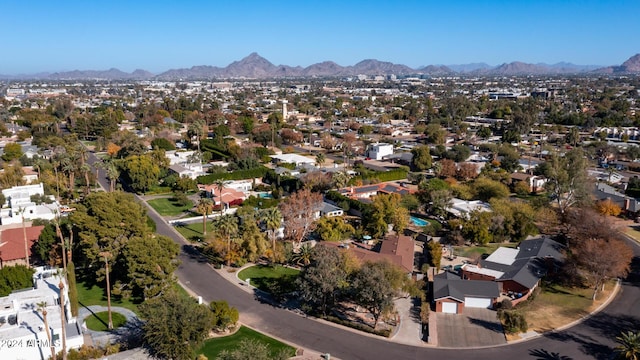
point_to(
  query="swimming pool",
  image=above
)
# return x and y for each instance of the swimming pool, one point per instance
(419, 222)
(265, 195)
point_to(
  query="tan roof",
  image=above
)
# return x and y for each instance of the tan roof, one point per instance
(12, 241)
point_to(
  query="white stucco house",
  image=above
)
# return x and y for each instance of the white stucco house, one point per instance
(18, 204)
(22, 325)
(379, 150)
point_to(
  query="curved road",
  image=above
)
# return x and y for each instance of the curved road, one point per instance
(590, 339)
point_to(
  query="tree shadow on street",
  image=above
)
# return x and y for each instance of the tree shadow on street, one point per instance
(542, 354)
(588, 345)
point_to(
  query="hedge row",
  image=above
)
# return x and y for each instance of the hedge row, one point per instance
(338, 198)
(236, 175)
(382, 176)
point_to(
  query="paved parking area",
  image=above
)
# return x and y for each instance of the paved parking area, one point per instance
(476, 327)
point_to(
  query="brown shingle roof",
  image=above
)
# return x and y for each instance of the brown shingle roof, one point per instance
(402, 246)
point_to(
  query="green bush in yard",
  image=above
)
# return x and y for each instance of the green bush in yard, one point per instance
(513, 321)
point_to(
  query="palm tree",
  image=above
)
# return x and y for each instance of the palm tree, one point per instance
(86, 169)
(42, 307)
(220, 186)
(63, 320)
(320, 159)
(21, 211)
(197, 129)
(112, 174)
(228, 227)
(68, 166)
(303, 256)
(204, 206)
(273, 219)
(629, 348)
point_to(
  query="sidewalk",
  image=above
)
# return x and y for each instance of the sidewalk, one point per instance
(101, 338)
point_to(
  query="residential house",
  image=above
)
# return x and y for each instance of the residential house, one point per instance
(535, 182)
(19, 205)
(21, 322)
(191, 171)
(230, 196)
(452, 294)
(329, 210)
(511, 272)
(462, 208)
(295, 159)
(367, 191)
(12, 249)
(398, 250)
(379, 150)
(626, 203)
(518, 271)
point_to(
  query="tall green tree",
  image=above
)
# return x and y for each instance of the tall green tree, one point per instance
(567, 180)
(151, 261)
(272, 218)
(372, 290)
(322, 282)
(174, 326)
(421, 160)
(227, 226)
(12, 151)
(142, 171)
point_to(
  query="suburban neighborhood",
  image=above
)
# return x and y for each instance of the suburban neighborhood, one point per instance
(433, 211)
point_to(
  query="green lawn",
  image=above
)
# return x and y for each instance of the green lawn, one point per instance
(99, 321)
(213, 347)
(96, 295)
(193, 231)
(471, 251)
(168, 207)
(265, 277)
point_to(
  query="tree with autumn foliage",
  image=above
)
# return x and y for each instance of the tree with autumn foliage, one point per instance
(608, 207)
(299, 213)
(595, 249)
(447, 168)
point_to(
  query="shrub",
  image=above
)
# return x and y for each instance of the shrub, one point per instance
(361, 327)
(15, 278)
(513, 321)
(506, 304)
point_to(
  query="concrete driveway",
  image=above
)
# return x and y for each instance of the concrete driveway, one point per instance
(474, 328)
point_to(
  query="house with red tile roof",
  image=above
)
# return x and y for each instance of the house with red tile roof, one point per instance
(230, 196)
(12, 244)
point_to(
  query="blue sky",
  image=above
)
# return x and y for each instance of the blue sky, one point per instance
(45, 35)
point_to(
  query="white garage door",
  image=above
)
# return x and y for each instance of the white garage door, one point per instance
(449, 308)
(473, 302)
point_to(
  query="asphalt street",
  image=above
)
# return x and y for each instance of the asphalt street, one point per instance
(590, 339)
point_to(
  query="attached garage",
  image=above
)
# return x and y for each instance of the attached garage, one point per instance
(475, 302)
(449, 307)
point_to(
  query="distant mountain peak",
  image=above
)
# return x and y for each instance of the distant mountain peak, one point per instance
(255, 66)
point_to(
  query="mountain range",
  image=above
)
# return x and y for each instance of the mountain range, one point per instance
(255, 66)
